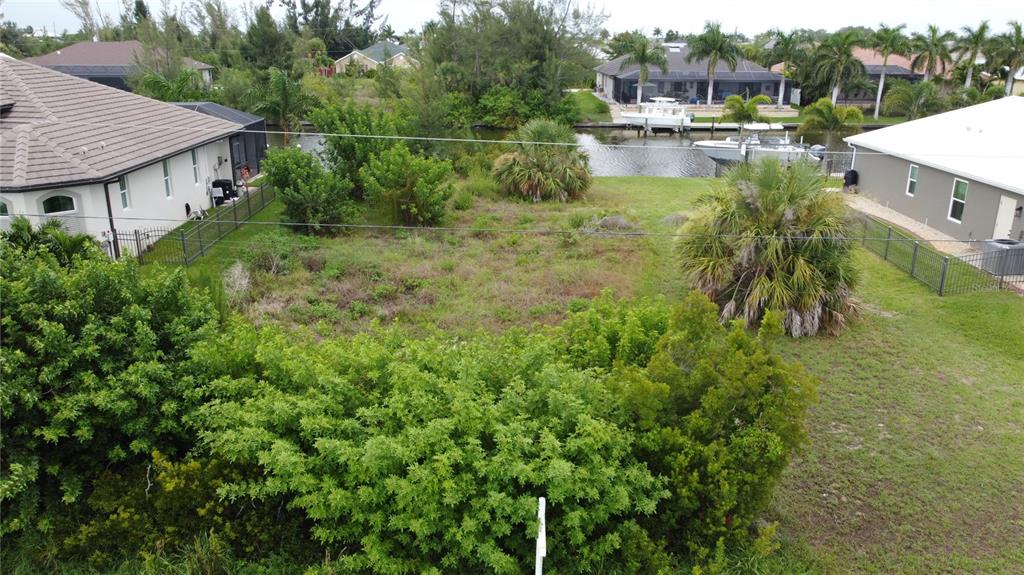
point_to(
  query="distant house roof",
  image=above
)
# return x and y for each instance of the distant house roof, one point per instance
(101, 59)
(680, 69)
(872, 60)
(981, 142)
(223, 112)
(383, 51)
(61, 130)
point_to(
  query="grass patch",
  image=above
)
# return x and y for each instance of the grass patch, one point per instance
(592, 108)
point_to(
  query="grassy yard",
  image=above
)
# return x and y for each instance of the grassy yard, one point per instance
(915, 463)
(592, 108)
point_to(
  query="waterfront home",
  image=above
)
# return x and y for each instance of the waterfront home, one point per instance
(101, 159)
(108, 63)
(959, 172)
(896, 67)
(686, 81)
(381, 53)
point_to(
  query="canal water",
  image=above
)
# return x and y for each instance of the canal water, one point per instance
(612, 152)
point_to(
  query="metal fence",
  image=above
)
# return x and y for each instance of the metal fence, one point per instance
(193, 239)
(943, 273)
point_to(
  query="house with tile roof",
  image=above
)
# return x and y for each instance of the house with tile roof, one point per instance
(381, 53)
(102, 159)
(684, 80)
(109, 63)
(958, 172)
(895, 67)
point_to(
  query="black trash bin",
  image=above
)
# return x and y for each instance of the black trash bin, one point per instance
(227, 189)
(850, 179)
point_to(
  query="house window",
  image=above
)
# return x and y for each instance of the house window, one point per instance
(3, 210)
(58, 205)
(958, 201)
(122, 186)
(195, 167)
(167, 179)
(912, 180)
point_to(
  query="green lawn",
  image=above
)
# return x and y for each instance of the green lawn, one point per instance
(592, 108)
(916, 461)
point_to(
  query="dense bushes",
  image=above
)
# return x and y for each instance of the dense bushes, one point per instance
(92, 370)
(132, 426)
(344, 150)
(413, 189)
(542, 171)
(310, 194)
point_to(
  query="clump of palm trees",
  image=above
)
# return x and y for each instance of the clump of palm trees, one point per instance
(544, 165)
(773, 238)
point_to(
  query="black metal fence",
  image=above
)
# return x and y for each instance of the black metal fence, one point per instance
(184, 244)
(943, 273)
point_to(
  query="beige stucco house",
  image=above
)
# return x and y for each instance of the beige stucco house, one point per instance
(381, 53)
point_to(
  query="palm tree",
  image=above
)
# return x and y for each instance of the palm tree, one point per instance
(772, 238)
(836, 65)
(932, 51)
(645, 53)
(1008, 52)
(744, 111)
(914, 100)
(51, 237)
(539, 172)
(787, 49)
(186, 86)
(973, 41)
(888, 41)
(829, 119)
(282, 101)
(714, 45)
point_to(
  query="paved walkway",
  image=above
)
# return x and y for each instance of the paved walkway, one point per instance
(942, 242)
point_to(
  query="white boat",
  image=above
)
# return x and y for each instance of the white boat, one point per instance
(752, 147)
(659, 113)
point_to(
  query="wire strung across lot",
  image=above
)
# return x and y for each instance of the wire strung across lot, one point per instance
(477, 230)
(119, 126)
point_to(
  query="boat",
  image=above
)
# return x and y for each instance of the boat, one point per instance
(751, 146)
(659, 114)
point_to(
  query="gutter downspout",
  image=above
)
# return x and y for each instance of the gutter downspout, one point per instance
(110, 217)
(853, 162)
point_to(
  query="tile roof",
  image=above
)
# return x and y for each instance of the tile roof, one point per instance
(63, 130)
(680, 69)
(981, 142)
(113, 57)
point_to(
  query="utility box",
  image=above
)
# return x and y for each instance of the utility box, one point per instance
(1004, 257)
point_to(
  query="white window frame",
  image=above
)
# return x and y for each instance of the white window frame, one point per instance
(124, 193)
(168, 189)
(912, 179)
(952, 198)
(195, 166)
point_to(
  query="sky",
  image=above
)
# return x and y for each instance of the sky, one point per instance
(748, 17)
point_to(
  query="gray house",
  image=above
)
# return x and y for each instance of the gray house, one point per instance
(685, 80)
(961, 172)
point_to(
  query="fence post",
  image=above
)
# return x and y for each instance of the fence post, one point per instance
(942, 280)
(913, 258)
(184, 250)
(217, 219)
(199, 238)
(138, 247)
(888, 239)
(864, 236)
(235, 208)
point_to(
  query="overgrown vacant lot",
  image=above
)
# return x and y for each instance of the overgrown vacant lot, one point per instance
(916, 462)
(484, 279)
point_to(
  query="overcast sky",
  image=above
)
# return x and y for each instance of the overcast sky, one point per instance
(749, 17)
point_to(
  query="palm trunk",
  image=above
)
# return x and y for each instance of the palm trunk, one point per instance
(1009, 82)
(711, 87)
(639, 94)
(970, 74)
(881, 86)
(782, 88)
(835, 94)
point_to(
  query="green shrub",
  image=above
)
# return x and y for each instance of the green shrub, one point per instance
(346, 155)
(310, 194)
(414, 189)
(462, 200)
(94, 376)
(273, 252)
(481, 184)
